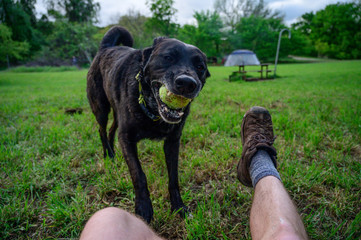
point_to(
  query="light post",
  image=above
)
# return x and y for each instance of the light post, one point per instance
(278, 46)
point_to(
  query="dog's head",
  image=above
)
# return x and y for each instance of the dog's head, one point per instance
(180, 70)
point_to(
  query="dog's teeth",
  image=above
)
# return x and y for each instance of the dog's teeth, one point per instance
(169, 93)
(181, 114)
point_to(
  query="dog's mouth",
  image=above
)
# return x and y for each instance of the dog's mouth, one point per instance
(170, 106)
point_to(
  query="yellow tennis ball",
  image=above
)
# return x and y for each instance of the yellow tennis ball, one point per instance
(172, 100)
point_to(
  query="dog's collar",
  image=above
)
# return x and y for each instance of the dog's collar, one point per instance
(142, 102)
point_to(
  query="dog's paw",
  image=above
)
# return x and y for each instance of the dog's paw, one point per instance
(183, 211)
(144, 209)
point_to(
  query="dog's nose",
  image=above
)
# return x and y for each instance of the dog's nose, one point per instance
(185, 84)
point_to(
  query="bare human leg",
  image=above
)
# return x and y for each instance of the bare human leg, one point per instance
(273, 214)
(116, 224)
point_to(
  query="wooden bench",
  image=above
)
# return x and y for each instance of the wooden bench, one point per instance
(243, 73)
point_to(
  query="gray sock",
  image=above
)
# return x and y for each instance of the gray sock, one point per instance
(262, 166)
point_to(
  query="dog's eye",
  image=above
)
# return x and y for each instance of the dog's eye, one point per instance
(200, 67)
(168, 58)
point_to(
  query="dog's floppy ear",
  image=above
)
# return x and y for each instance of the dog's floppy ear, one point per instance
(208, 74)
(147, 52)
(205, 60)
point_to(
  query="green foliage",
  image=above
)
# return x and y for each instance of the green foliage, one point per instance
(189, 34)
(260, 35)
(304, 24)
(53, 176)
(206, 35)
(72, 39)
(9, 48)
(299, 45)
(80, 11)
(28, 7)
(161, 22)
(135, 23)
(68, 30)
(45, 26)
(71, 34)
(232, 11)
(48, 36)
(334, 31)
(19, 17)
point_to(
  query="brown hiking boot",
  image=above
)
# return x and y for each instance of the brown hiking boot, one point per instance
(256, 133)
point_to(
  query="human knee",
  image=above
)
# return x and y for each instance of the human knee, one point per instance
(109, 212)
(286, 231)
(116, 223)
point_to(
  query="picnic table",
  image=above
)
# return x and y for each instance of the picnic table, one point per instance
(243, 73)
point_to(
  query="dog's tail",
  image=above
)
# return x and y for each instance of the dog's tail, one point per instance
(115, 36)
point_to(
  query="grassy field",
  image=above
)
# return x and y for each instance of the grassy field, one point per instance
(53, 177)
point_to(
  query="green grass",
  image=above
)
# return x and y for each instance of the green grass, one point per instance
(23, 69)
(53, 177)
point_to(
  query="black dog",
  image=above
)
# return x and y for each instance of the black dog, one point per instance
(128, 81)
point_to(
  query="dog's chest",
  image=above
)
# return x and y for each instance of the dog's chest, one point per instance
(158, 130)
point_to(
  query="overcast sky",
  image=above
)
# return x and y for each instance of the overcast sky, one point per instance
(111, 9)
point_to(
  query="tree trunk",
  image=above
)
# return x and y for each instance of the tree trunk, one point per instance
(7, 58)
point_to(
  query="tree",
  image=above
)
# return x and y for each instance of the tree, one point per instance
(261, 36)
(29, 8)
(72, 32)
(335, 30)
(19, 16)
(10, 49)
(44, 25)
(74, 10)
(304, 23)
(161, 21)
(206, 36)
(70, 39)
(135, 22)
(233, 10)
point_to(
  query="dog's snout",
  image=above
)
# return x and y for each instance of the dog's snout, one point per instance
(185, 84)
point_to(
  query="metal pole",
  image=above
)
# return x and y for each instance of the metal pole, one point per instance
(278, 46)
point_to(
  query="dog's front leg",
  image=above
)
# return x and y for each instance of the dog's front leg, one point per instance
(143, 205)
(171, 150)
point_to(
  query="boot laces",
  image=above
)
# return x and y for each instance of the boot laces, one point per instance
(262, 131)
